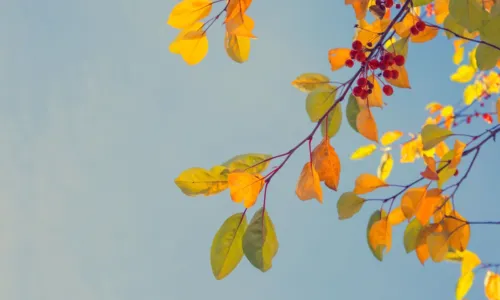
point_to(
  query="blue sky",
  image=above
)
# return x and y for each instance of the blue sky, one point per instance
(97, 118)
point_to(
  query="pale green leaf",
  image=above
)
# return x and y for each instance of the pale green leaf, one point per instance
(348, 205)
(451, 24)
(334, 120)
(199, 181)
(421, 2)
(487, 56)
(308, 82)
(411, 235)
(400, 47)
(468, 13)
(352, 111)
(432, 135)
(243, 162)
(319, 101)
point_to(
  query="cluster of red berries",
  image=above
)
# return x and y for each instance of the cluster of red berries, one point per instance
(363, 88)
(417, 28)
(386, 4)
(356, 53)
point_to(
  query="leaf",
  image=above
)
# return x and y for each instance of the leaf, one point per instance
(360, 7)
(194, 49)
(486, 57)
(380, 234)
(411, 235)
(459, 231)
(366, 125)
(468, 13)
(441, 10)
(260, 243)
(308, 82)
(451, 24)
(463, 74)
(446, 172)
(396, 216)
(308, 186)
(390, 137)
(375, 98)
(498, 109)
(402, 28)
(319, 101)
(337, 57)
(492, 285)
(464, 284)
(421, 2)
(428, 34)
(237, 47)
(245, 187)
(198, 181)
(366, 183)
(458, 56)
(327, 164)
(363, 151)
(432, 135)
(187, 12)
(472, 92)
(385, 167)
(377, 251)
(422, 249)
(236, 9)
(470, 260)
(400, 47)
(352, 111)
(348, 205)
(252, 163)
(458, 150)
(369, 33)
(226, 251)
(430, 171)
(334, 120)
(438, 246)
(402, 81)
(242, 26)
(411, 200)
(428, 205)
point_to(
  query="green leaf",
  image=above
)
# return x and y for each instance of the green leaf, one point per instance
(379, 251)
(489, 33)
(307, 82)
(421, 2)
(411, 234)
(400, 47)
(433, 135)
(244, 161)
(226, 251)
(468, 13)
(319, 101)
(260, 243)
(352, 111)
(451, 24)
(348, 205)
(334, 121)
(198, 181)
(486, 57)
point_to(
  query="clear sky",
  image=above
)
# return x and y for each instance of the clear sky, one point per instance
(97, 118)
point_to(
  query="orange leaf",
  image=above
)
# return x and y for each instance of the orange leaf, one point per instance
(375, 98)
(366, 183)
(458, 149)
(327, 164)
(396, 216)
(441, 10)
(380, 234)
(337, 57)
(459, 231)
(428, 34)
(422, 249)
(492, 286)
(241, 26)
(433, 107)
(366, 125)
(428, 205)
(236, 8)
(360, 7)
(308, 186)
(438, 245)
(245, 187)
(442, 149)
(411, 200)
(430, 172)
(446, 209)
(403, 28)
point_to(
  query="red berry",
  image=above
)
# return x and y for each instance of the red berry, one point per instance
(383, 65)
(399, 60)
(370, 91)
(387, 89)
(414, 30)
(349, 63)
(469, 118)
(369, 44)
(389, 3)
(482, 104)
(373, 64)
(398, 6)
(370, 84)
(356, 45)
(357, 91)
(456, 173)
(387, 74)
(364, 94)
(360, 57)
(420, 26)
(362, 81)
(394, 74)
(476, 114)
(353, 53)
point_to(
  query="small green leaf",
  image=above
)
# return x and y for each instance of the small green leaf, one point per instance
(319, 101)
(307, 82)
(226, 251)
(451, 24)
(260, 243)
(411, 235)
(468, 14)
(352, 111)
(348, 205)
(486, 57)
(400, 47)
(244, 161)
(421, 2)
(334, 121)
(379, 251)
(433, 135)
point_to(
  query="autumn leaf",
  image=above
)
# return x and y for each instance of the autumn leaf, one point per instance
(422, 249)
(385, 166)
(396, 216)
(366, 183)
(432, 135)
(348, 205)
(245, 187)
(236, 8)
(458, 150)
(363, 151)
(381, 235)
(445, 171)
(402, 81)
(492, 285)
(445, 209)
(438, 245)
(463, 74)
(411, 200)
(375, 98)
(370, 33)
(327, 164)
(308, 186)
(308, 82)
(428, 34)
(198, 181)
(458, 56)
(337, 57)
(377, 251)
(226, 251)
(260, 243)
(464, 284)
(427, 205)
(470, 260)
(331, 124)
(402, 28)
(498, 109)
(459, 231)
(472, 92)
(360, 7)
(430, 171)
(191, 44)
(319, 101)
(237, 47)
(187, 12)
(241, 26)
(252, 163)
(411, 234)
(390, 137)
(366, 125)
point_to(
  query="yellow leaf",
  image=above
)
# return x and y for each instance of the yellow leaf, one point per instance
(363, 151)
(441, 10)
(472, 92)
(237, 47)
(470, 260)
(442, 149)
(438, 245)
(380, 234)
(187, 12)
(337, 57)
(360, 7)
(396, 216)
(327, 164)
(308, 187)
(319, 101)
(366, 125)
(492, 286)
(458, 56)
(428, 34)
(459, 231)
(403, 28)
(241, 26)
(348, 205)
(464, 284)
(198, 181)
(366, 183)
(422, 247)
(411, 200)
(432, 135)
(236, 8)
(463, 74)
(458, 150)
(307, 82)
(402, 81)
(390, 137)
(191, 45)
(385, 167)
(245, 187)
(448, 114)
(375, 98)
(446, 172)
(370, 33)
(410, 151)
